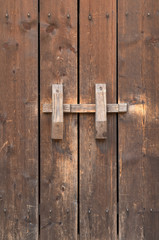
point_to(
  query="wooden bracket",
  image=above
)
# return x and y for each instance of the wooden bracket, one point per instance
(101, 109)
(57, 111)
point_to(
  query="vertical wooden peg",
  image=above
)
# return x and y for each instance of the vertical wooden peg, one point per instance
(101, 111)
(57, 111)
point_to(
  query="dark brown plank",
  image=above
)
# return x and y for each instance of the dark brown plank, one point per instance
(138, 129)
(18, 120)
(97, 157)
(58, 21)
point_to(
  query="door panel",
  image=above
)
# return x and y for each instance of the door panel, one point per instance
(138, 129)
(98, 201)
(58, 41)
(18, 120)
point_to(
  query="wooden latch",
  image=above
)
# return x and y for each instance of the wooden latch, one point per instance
(101, 109)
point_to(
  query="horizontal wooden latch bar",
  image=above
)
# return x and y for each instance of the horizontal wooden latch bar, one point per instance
(101, 108)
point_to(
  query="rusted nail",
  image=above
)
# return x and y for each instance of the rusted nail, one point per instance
(90, 17)
(49, 15)
(68, 16)
(107, 15)
(28, 15)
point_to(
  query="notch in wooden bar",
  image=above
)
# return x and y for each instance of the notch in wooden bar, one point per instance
(57, 111)
(101, 111)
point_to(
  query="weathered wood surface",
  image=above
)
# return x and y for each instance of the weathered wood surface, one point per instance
(18, 120)
(97, 157)
(57, 111)
(87, 108)
(139, 128)
(58, 37)
(101, 111)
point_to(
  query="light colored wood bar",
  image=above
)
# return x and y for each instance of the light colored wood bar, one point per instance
(101, 111)
(87, 108)
(57, 111)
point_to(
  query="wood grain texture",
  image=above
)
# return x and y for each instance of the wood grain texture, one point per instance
(57, 111)
(87, 108)
(18, 120)
(139, 128)
(58, 37)
(97, 157)
(101, 111)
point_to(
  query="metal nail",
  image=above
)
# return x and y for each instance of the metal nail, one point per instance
(68, 16)
(50, 211)
(107, 210)
(151, 210)
(49, 14)
(126, 14)
(148, 14)
(90, 17)
(28, 15)
(5, 210)
(107, 15)
(89, 211)
(7, 16)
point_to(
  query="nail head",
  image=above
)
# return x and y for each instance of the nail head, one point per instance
(90, 17)
(107, 15)
(28, 15)
(49, 14)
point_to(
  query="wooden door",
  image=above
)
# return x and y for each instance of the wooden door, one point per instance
(78, 187)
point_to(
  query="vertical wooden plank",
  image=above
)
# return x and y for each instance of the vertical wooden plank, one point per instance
(18, 120)
(97, 157)
(57, 111)
(58, 37)
(101, 111)
(138, 129)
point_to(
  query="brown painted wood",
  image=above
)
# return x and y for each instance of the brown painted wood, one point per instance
(58, 37)
(87, 108)
(101, 111)
(97, 157)
(18, 120)
(57, 111)
(139, 128)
